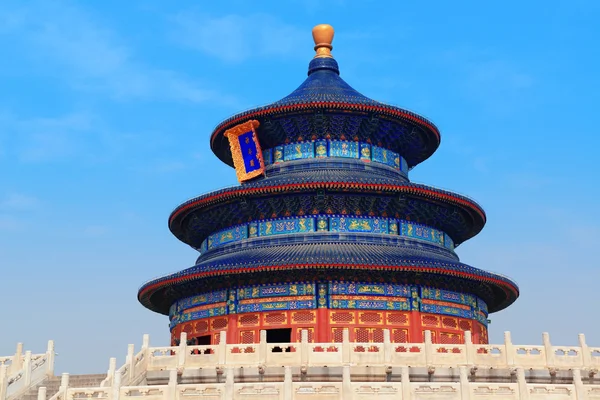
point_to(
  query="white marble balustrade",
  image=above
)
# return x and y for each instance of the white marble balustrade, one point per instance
(23, 370)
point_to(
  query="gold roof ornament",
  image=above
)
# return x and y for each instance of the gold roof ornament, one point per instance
(323, 36)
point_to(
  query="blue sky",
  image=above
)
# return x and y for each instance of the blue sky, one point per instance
(106, 110)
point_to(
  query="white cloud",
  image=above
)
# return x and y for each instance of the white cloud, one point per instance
(234, 38)
(91, 57)
(18, 202)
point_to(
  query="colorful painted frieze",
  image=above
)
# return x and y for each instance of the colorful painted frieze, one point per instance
(286, 226)
(206, 298)
(446, 310)
(343, 149)
(278, 154)
(321, 149)
(481, 318)
(350, 288)
(365, 152)
(366, 303)
(445, 295)
(322, 224)
(417, 231)
(403, 165)
(276, 305)
(291, 289)
(482, 306)
(297, 151)
(234, 234)
(268, 156)
(206, 313)
(358, 224)
(253, 229)
(448, 242)
(386, 157)
(393, 226)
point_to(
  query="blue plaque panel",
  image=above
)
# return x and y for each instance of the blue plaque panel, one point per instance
(343, 149)
(358, 224)
(365, 152)
(321, 149)
(278, 154)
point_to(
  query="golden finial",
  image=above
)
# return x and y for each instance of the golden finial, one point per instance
(323, 36)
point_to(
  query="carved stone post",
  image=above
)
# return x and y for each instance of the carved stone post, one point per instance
(17, 362)
(182, 350)
(586, 356)
(405, 379)
(346, 347)
(222, 359)
(262, 348)
(509, 350)
(50, 359)
(579, 388)
(522, 383)
(287, 384)
(548, 350)
(229, 383)
(145, 341)
(347, 393)
(116, 387)
(3, 381)
(42, 393)
(304, 352)
(465, 388)
(64, 386)
(27, 369)
(469, 348)
(130, 359)
(428, 348)
(110, 374)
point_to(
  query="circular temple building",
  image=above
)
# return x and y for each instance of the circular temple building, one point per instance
(326, 230)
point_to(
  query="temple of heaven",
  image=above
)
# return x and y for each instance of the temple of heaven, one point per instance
(326, 231)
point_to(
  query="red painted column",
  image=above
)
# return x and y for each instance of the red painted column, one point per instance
(322, 330)
(232, 331)
(415, 331)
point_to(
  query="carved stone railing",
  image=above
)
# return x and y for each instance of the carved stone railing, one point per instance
(20, 372)
(348, 370)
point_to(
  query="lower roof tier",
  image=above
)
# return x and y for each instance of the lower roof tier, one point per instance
(328, 260)
(344, 187)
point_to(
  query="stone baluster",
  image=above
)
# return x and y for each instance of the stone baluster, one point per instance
(428, 348)
(64, 387)
(42, 393)
(405, 380)
(465, 387)
(304, 352)
(346, 347)
(387, 347)
(171, 390)
(586, 356)
(116, 386)
(3, 381)
(509, 350)
(262, 347)
(146, 349)
(182, 350)
(522, 384)
(548, 350)
(17, 362)
(469, 348)
(110, 374)
(347, 393)
(222, 358)
(130, 360)
(27, 369)
(229, 384)
(146, 341)
(288, 389)
(579, 388)
(50, 355)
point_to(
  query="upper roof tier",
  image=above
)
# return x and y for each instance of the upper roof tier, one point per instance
(324, 106)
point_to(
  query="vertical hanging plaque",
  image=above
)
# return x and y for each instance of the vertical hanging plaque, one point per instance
(245, 150)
